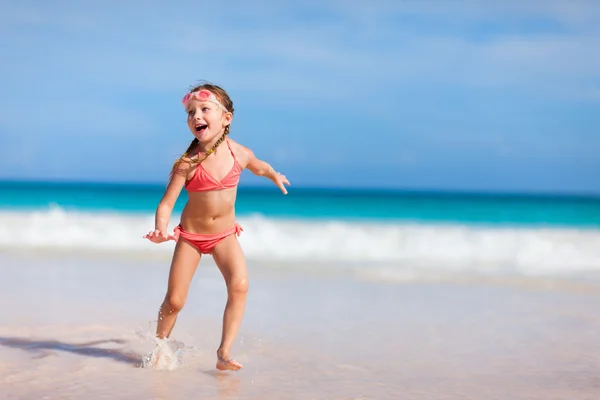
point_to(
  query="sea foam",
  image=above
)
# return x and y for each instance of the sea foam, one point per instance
(528, 250)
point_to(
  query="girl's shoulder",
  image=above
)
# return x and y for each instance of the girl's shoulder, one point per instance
(241, 152)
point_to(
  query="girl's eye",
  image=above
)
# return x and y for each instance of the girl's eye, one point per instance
(191, 112)
(206, 109)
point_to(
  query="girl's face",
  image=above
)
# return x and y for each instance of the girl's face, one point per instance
(206, 120)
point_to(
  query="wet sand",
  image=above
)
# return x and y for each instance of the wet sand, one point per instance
(79, 326)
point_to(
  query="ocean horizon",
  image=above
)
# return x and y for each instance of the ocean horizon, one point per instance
(5, 182)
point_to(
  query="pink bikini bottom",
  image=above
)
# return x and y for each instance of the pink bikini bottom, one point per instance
(206, 243)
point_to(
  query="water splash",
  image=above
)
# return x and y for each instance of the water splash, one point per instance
(166, 355)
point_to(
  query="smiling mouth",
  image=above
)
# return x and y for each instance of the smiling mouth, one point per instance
(201, 128)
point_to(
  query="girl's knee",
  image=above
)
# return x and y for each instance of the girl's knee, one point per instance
(238, 286)
(173, 303)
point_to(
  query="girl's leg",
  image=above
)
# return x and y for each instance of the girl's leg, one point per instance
(185, 260)
(230, 259)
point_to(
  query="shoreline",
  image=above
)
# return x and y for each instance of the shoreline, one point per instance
(83, 322)
(380, 273)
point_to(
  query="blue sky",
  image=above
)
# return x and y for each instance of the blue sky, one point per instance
(403, 94)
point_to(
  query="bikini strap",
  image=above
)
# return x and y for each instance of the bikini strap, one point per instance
(230, 150)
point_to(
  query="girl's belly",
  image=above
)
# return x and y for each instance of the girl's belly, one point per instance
(209, 212)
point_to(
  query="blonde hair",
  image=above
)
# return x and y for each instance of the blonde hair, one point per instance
(223, 97)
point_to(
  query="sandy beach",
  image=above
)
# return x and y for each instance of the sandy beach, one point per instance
(79, 327)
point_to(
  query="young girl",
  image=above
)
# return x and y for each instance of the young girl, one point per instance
(208, 224)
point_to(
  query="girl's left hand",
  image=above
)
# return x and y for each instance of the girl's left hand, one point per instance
(280, 180)
(157, 236)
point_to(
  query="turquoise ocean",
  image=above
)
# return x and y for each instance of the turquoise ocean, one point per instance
(397, 230)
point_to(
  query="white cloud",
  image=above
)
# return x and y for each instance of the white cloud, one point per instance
(573, 13)
(261, 46)
(264, 48)
(75, 118)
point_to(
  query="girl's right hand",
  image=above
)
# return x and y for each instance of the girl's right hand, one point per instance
(157, 236)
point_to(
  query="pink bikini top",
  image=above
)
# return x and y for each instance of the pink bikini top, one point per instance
(203, 181)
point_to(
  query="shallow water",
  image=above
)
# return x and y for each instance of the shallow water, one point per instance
(77, 326)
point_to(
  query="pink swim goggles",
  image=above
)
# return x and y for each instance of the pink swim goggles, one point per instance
(203, 95)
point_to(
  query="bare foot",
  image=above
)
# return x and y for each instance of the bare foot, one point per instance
(225, 363)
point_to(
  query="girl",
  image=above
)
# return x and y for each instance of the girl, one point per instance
(208, 224)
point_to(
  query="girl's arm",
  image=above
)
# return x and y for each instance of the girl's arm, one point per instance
(165, 207)
(262, 168)
(259, 167)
